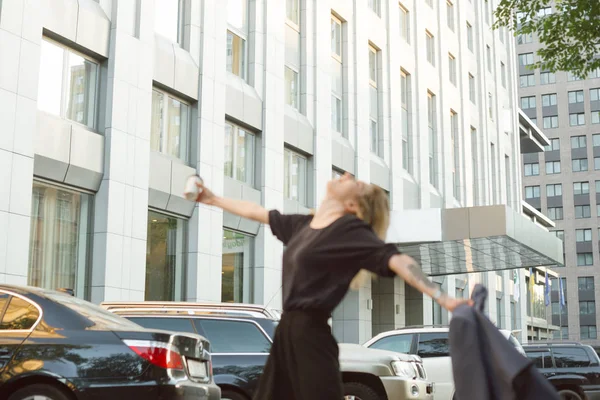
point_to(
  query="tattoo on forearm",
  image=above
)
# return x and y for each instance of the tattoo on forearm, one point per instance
(417, 277)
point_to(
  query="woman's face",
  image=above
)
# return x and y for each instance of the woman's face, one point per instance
(345, 189)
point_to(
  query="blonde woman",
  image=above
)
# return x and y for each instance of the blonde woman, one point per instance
(328, 252)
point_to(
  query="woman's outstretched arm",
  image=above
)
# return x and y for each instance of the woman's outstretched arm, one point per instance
(245, 209)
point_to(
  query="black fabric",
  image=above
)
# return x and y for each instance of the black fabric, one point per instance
(485, 365)
(319, 264)
(304, 360)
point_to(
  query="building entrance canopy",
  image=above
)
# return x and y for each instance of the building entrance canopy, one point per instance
(473, 239)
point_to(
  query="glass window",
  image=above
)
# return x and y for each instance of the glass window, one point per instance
(583, 235)
(168, 21)
(532, 192)
(596, 163)
(292, 11)
(67, 84)
(554, 190)
(375, 6)
(578, 142)
(431, 122)
(170, 129)
(552, 167)
(541, 359)
(597, 186)
(452, 68)
(549, 100)
(165, 257)
(237, 337)
(587, 308)
(555, 213)
(586, 283)
(292, 93)
(580, 164)
(595, 117)
(490, 106)
(576, 97)
(239, 153)
(336, 37)
(374, 101)
(295, 177)
(406, 107)
(404, 24)
(581, 188)
(455, 146)
(337, 84)
(527, 80)
(59, 238)
(470, 39)
(596, 140)
(525, 38)
(570, 357)
(433, 345)
(397, 343)
(19, 315)
(450, 15)
(561, 236)
(528, 102)
(526, 59)
(165, 323)
(572, 77)
(582, 211)
(551, 122)
(503, 73)
(547, 78)
(577, 119)
(532, 169)
(588, 331)
(237, 268)
(430, 47)
(472, 93)
(236, 55)
(554, 145)
(488, 51)
(594, 94)
(585, 259)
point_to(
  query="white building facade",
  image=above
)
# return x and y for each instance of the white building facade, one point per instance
(106, 107)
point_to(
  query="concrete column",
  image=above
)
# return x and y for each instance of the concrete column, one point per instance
(20, 35)
(121, 204)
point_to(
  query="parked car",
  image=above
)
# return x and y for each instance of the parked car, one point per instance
(56, 347)
(432, 345)
(241, 336)
(573, 368)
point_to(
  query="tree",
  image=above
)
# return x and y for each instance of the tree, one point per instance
(569, 36)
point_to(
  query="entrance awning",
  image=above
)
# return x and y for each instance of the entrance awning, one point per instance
(473, 239)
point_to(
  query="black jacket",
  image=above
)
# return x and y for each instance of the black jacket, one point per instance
(485, 365)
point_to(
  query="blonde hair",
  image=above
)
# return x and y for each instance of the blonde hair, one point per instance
(374, 209)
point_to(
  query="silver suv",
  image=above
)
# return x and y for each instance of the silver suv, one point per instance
(241, 334)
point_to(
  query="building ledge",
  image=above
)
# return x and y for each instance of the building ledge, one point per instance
(536, 216)
(533, 139)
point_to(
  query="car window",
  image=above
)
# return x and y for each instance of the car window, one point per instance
(571, 357)
(433, 345)
(19, 315)
(234, 336)
(541, 359)
(165, 323)
(397, 343)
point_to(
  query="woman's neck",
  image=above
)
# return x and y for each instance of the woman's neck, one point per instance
(329, 211)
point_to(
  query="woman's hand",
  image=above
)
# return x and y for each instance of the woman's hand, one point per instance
(204, 194)
(450, 303)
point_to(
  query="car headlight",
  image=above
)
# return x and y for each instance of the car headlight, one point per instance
(403, 368)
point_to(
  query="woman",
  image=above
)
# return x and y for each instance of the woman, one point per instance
(325, 254)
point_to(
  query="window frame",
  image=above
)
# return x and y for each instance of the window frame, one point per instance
(166, 98)
(292, 154)
(234, 130)
(554, 187)
(580, 190)
(430, 47)
(404, 27)
(374, 84)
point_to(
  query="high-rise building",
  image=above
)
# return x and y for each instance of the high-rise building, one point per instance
(106, 107)
(564, 182)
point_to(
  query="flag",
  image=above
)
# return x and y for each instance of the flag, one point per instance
(517, 290)
(561, 293)
(547, 291)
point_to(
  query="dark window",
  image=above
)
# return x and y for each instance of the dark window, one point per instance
(397, 343)
(433, 345)
(571, 358)
(541, 359)
(167, 324)
(19, 314)
(234, 336)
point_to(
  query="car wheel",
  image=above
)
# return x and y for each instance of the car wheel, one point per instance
(359, 391)
(231, 395)
(569, 395)
(39, 392)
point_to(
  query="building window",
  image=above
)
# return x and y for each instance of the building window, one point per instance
(527, 80)
(406, 106)
(549, 100)
(292, 11)
(560, 235)
(585, 283)
(429, 3)
(581, 188)
(493, 167)
(580, 164)
(59, 238)
(595, 117)
(528, 102)
(503, 73)
(572, 77)
(450, 15)
(596, 163)
(577, 119)
(585, 259)
(168, 19)
(524, 39)
(470, 39)
(490, 106)
(555, 213)
(431, 123)
(237, 36)
(455, 144)
(582, 212)
(488, 51)
(486, 12)
(552, 167)
(532, 169)
(452, 68)
(588, 331)
(375, 6)
(295, 173)
(547, 78)
(594, 94)
(597, 186)
(374, 100)
(292, 94)
(239, 153)
(533, 121)
(532, 192)
(553, 146)
(475, 166)
(430, 47)
(583, 235)
(554, 190)
(404, 24)
(68, 84)
(170, 129)
(551, 122)
(578, 142)
(236, 268)
(525, 59)
(576, 97)
(472, 92)
(501, 34)
(596, 139)
(165, 257)
(337, 87)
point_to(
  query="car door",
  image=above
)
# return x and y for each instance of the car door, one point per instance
(18, 317)
(434, 349)
(542, 360)
(239, 349)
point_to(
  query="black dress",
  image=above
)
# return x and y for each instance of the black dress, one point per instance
(318, 266)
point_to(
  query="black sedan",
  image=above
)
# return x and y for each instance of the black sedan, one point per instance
(56, 347)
